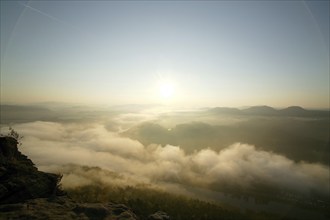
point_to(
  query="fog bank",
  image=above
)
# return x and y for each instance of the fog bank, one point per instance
(52, 145)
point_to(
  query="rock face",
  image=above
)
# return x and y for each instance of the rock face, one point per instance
(159, 216)
(63, 207)
(26, 193)
(19, 178)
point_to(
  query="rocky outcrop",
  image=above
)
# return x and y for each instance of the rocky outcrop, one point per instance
(63, 207)
(159, 216)
(19, 178)
(27, 193)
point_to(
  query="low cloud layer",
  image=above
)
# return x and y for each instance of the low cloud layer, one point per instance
(52, 145)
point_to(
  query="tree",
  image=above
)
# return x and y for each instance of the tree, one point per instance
(14, 134)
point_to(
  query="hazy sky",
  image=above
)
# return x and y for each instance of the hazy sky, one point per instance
(213, 53)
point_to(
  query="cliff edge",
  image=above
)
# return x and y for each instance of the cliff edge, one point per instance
(27, 193)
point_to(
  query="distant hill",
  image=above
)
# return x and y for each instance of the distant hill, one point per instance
(260, 110)
(294, 111)
(264, 110)
(21, 113)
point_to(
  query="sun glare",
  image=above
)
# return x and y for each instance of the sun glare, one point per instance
(166, 90)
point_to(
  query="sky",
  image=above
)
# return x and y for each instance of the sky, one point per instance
(190, 53)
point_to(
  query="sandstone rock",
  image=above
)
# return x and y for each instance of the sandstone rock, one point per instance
(159, 216)
(19, 178)
(26, 193)
(63, 207)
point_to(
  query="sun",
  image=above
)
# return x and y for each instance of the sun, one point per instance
(166, 90)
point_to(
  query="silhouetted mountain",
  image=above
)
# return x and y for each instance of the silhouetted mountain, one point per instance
(20, 113)
(294, 111)
(260, 110)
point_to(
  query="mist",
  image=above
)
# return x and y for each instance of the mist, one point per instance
(231, 151)
(156, 95)
(53, 145)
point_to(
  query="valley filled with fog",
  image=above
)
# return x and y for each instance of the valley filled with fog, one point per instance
(257, 158)
(199, 109)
